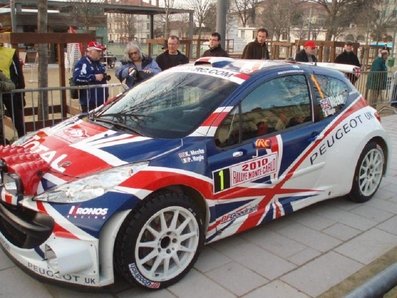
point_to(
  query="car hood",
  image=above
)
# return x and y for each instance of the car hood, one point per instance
(77, 148)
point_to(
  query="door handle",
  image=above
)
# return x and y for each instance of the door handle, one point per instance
(238, 154)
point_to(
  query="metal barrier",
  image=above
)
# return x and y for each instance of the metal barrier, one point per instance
(43, 107)
(48, 106)
(380, 89)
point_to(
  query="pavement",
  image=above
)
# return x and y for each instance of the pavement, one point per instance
(304, 254)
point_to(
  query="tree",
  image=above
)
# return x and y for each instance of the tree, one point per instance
(341, 13)
(168, 5)
(378, 18)
(87, 13)
(200, 8)
(278, 16)
(245, 10)
(210, 17)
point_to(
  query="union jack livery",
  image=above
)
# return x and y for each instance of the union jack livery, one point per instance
(195, 154)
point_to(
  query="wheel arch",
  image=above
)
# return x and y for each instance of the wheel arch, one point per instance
(197, 197)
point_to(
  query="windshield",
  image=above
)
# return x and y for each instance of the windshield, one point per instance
(171, 105)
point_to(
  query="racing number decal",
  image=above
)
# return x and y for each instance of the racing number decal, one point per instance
(221, 179)
(247, 171)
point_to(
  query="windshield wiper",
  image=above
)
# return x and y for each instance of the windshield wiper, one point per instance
(116, 124)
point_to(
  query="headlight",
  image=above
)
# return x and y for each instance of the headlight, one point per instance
(90, 187)
(12, 184)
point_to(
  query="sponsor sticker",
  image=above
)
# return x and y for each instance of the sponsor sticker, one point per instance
(247, 171)
(87, 212)
(142, 280)
(192, 156)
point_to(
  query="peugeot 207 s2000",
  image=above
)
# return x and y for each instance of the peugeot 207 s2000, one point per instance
(193, 155)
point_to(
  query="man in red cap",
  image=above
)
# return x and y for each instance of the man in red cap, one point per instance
(307, 54)
(90, 71)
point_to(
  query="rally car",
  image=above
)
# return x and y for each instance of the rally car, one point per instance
(195, 154)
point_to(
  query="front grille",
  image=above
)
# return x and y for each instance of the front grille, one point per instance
(23, 227)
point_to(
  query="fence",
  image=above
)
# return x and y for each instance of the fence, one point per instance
(379, 88)
(43, 107)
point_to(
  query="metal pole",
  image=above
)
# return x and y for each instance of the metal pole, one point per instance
(221, 9)
(13, 16)
(378, 285)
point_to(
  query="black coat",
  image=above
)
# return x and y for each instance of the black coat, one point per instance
(347, 58)
(165, 60)
(215, 52)
(302, 57)
(255, 50)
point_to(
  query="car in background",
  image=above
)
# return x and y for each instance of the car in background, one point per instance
(195, 154)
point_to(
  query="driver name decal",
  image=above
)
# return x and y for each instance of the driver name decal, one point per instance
(247, 171)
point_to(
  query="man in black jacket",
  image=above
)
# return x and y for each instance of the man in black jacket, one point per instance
(307, 54)
(171, 57)
(215, 49)
(348, 57)
(257, 49)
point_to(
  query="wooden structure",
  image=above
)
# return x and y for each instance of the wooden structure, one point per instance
(60, 39)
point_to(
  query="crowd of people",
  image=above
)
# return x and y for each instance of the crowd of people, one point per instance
(136, 67)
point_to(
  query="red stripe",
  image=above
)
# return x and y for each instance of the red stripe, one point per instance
(253, 219)
(153, 180)
(215, 119)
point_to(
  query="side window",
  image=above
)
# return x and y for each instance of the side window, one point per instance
(330, 94)
(271, 107)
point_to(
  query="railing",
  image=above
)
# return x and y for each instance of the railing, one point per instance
(379, 88)
(43, 107)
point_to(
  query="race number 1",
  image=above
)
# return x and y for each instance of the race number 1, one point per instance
(222, 179)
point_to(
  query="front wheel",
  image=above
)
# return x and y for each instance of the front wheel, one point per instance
(368, 173)
(159, 243)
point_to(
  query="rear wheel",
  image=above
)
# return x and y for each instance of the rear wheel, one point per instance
(159, 243)
(368, 174)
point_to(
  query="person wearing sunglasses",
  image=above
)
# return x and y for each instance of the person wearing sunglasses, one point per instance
(308, 52)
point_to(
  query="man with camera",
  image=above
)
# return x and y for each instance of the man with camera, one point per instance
(90, 71)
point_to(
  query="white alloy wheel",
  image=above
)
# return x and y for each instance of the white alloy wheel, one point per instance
(167, 243)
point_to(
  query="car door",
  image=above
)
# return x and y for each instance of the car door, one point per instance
(260, 167)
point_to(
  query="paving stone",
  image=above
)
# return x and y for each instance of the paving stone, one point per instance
(15, 283)
(276, 289)
(255, 258)
(210, 259)
(64, 292)
(312, 238)
(368, 246)
(313, 220)
(142, 293)
(237, 278)
(197, 285)
(372, 213)
(274, 242)
(322, 273)
(5, 261)
(342, 232)
(386, 205)
(304, 256)
(389, 226)
(348, 218)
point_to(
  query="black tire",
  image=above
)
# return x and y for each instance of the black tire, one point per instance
(368, 174)
(163, 244)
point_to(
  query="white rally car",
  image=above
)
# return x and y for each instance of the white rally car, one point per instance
(190, 156)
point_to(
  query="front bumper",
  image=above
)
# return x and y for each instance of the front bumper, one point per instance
(31, 239)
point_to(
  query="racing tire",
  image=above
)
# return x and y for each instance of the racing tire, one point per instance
(159, 242)
(368, 174)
